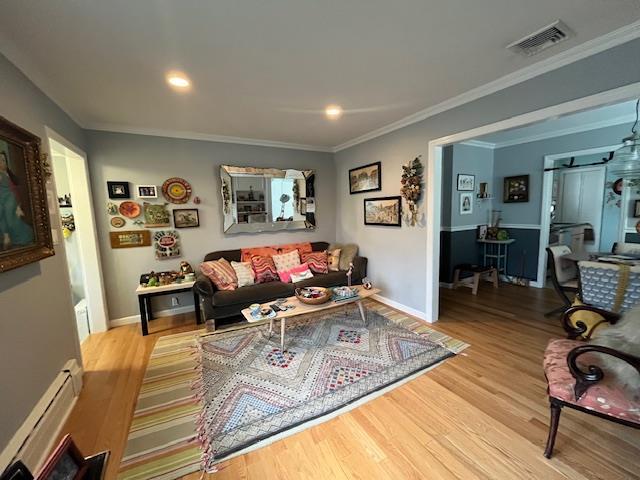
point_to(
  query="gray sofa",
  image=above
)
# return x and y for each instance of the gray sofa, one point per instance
(227, 304)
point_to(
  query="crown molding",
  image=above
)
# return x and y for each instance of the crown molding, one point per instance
(106, 127)
(574, 54)
(479, 144)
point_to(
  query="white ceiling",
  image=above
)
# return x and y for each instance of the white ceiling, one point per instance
(266, 69)
(621, 113)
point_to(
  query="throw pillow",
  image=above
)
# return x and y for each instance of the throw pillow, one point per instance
(285, 276)
(317, 261)
(333, 259)
(221, 273)
(286, 261)
(244, 273)
(348, 252)
(268, 251)
(265, 269)
(298, 277)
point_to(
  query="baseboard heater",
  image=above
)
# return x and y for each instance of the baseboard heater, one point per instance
(36, 437)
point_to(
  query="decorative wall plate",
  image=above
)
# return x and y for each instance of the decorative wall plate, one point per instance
(118, 222)
(130, 209)
(617, 186)
(176, 190)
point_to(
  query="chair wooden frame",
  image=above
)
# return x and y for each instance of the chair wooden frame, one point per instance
(560, 289)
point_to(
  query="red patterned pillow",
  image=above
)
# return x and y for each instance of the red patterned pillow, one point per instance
(265, 269)
(317, 261)
(221, 273)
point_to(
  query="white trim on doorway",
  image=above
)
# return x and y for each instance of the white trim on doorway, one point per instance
(547, 185)
(87, 235)
(434, 169)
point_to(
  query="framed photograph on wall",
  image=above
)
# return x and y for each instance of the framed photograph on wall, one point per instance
(385, 211)
(516, 189)
(466, 203)
(367, 178)
(186, 217)
(466, 183)
(118, 189)
(25, 230)
(482, 231)
(147, 191)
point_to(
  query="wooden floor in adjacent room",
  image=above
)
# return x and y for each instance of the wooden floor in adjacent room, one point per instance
(482, 415)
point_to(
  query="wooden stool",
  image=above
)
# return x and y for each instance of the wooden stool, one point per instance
(478, 271)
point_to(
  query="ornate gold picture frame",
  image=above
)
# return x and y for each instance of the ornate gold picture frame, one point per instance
(25, 230)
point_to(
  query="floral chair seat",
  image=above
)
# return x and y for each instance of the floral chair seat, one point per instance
(604, 397)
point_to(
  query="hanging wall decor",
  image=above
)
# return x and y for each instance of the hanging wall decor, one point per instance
(147, 191)
(112, 208)
(167, 244)
(25, 231)
(130, 238)
(118, 189)
(186, 217)
(176, 190)
(130, 209)
(156, 215)
(117, 222)
(411, 189)
(516, 189)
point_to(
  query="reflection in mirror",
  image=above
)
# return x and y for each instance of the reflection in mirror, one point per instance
(267, 199)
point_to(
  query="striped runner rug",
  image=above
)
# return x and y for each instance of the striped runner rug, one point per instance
(162, 440)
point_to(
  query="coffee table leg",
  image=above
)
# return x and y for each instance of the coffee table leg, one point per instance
(270, 327)
(363, 315)
(282, 327)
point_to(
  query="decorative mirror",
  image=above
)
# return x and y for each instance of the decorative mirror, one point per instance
(267, 199)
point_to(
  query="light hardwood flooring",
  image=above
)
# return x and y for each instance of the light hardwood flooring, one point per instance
(482, 415)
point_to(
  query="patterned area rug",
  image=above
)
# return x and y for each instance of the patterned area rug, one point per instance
(162, 442)
(251, 390)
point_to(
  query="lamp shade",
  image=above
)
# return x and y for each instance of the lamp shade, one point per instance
(626, 160)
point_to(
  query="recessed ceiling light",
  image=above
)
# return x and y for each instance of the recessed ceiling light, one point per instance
(333, 112)
(178, 81)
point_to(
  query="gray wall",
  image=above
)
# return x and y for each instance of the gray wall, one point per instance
(37, 329)
(151, 160)
(529, 158)
(397, 255)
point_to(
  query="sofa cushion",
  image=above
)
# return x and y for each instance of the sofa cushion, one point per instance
(605, 397)
(220, 273)
(303, 275)
(331, 279)
(333, 259)
(265, 269)
(258, 293)
(286, 261)
(244, 272)
(285, 276)
(317, 261)
(269, 251)
(348, 252)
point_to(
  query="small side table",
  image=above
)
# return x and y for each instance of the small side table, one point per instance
(144, 300)
(497, 252)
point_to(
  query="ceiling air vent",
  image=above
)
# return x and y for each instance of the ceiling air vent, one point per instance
(544, 38)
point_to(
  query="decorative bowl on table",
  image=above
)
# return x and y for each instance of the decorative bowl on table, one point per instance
(344, 293)
(313, 295)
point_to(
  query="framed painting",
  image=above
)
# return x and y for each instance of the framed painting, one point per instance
(147, 191)
(385, 211)
(466, 183)
(516, 189)
(118, 190)
(186, 217)
(25, 230)
(466, 203)
(367, 178)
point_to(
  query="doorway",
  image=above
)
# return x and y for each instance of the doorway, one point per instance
(79, 234)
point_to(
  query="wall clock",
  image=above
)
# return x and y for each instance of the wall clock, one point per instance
(176, 190)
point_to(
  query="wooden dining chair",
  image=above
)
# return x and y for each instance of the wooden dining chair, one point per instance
(564, 276)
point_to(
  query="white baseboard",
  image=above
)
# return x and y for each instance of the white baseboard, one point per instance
(35, 438)
(118, 322)
(399, 306)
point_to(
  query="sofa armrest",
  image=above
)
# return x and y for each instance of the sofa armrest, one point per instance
(580, 328)
(204, 286)
(360, 267)
(594, 373)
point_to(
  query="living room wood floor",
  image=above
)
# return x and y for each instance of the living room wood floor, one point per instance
(483, 414)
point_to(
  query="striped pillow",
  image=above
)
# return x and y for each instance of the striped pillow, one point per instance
(221, 273)
(244, 272)
(317, 261)
(265, 269)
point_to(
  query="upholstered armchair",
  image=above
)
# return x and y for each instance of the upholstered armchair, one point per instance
(575, 380)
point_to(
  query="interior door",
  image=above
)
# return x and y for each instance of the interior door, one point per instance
(581, 200)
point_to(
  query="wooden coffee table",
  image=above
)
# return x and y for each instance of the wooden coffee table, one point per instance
(304, 309)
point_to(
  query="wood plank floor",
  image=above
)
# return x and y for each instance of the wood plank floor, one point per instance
(482, 415)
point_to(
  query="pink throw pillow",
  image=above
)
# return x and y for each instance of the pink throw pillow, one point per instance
(285, 275)
(265, 269)
(317, 261)
(221, 273)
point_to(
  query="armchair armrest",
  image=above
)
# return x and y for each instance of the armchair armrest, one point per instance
(580, 327)
(594, 373)
(360, 267)
(204, 286)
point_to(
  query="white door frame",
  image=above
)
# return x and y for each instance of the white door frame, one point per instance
(87, 237)
(434, 172)
(547, 185)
